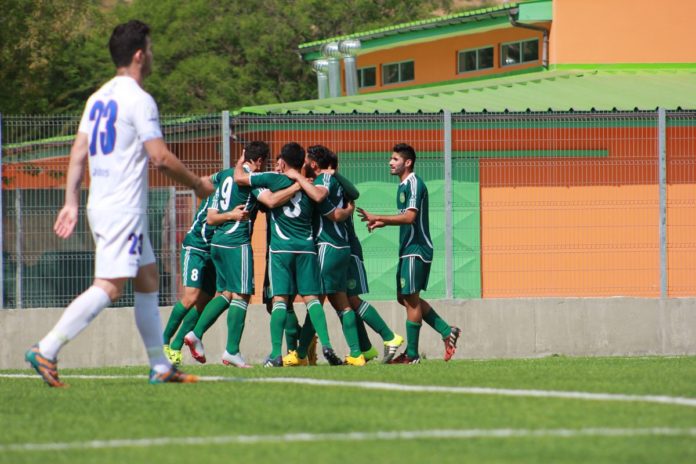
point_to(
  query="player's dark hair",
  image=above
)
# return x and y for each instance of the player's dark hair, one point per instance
(255, 150)
(321, 155)
(293, 154)
(333, 160)
(126, 39)
(406, 151)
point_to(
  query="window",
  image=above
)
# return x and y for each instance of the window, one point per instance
(519, 52)
(394, 73)
(473, 60)
(367, 77)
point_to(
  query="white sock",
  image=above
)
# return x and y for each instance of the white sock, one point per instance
(74, 320)
(147, 318)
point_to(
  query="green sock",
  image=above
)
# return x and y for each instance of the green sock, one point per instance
(365, 343)
(369, 314)
(437, 323)
(412, 335)
(350, 331)
(175, 318)
(292, 329)
(316, 314)
(210, 313)
(236, 317)
(306, 335)
(187, 325)
(278, 316)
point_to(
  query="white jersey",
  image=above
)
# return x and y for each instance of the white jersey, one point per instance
(118, 119)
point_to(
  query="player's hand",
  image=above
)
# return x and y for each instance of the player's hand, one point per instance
(350, 207)
(372, 225)
(204, 188)
(365, 216)
(240, 160)
(66, 221)
(293, 175)
(239, 214)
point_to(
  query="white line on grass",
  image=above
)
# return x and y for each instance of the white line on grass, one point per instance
(463, 434)
(587, 396)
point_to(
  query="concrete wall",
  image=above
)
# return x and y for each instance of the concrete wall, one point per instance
(492, 328)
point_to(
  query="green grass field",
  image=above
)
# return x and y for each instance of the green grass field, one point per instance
(377, 413)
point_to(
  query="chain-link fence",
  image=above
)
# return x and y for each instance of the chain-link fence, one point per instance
(521, 205)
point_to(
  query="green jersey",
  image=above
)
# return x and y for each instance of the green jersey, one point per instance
(228, 195)
(200, 234)
(326, 230)
(355, 245)
(291, 223)
(414, 238)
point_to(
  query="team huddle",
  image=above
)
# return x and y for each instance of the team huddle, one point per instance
(312, 248)
(312, 253)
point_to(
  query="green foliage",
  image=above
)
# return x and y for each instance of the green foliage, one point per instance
(210, 55)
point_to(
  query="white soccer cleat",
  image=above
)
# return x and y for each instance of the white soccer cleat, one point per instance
(196, 346)
(236, 360)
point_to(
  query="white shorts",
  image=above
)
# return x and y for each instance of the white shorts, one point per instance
(122, 243)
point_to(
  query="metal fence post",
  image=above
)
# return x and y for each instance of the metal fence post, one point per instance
(2, 214)
(172, 244)
(18, 248)
(449, 275)
(226, 140)
(662, 156)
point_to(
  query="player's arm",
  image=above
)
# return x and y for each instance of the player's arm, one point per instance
(375, 221)
(241, 178)
(349, 190)
(341, 214)
(214, 217)
(67, 217)
(167, 162)
(279, 198)
(316, 193)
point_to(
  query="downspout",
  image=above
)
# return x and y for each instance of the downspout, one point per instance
(545, 30)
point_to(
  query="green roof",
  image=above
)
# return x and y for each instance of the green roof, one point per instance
(624, 89)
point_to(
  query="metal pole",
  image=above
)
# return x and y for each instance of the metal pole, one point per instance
(662, 154)
(449, 274)
(18, 247)
(226, 140)
(172, 244)
(2, 214)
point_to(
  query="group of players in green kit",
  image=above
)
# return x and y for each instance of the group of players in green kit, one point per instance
(312, 253)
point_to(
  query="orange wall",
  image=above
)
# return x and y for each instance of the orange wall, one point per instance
(436, 61)
(623, 31)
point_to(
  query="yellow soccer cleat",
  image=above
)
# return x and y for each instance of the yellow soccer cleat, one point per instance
(358, 361)
(293, 360)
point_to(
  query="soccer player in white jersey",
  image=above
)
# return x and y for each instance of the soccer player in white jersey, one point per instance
(119, 129)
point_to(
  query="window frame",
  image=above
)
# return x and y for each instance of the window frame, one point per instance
(477, 50)
(399, 63)
(360, 75)
(519, 43)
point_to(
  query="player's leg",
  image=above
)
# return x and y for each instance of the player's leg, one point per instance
(292, 326)
(281, 270)
(238, 267)
(192, 268)
(408, 288)
(450, 334)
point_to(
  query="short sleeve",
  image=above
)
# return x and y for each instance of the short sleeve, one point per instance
(412, 194)
(146, 119)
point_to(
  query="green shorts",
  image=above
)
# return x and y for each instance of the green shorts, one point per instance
(294, 273)
(235, 269)
(357, 277)
(197, 270)
(412, 275)
(333, 266)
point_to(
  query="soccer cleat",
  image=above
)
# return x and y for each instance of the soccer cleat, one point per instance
(173, 375)
(358, 361)
(273, 362)
(46, 368)
(451, 342)
(292, 359)
(312, 351)
(236, 360)
(370, 354)
(330, 356)
(174, 356)
(403, 358)
(391, 347)
(196, 346)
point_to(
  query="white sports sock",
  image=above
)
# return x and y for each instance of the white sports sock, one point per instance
(147, 318)
(74, 320)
